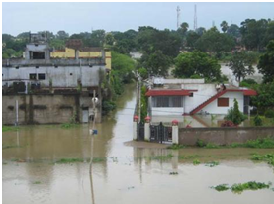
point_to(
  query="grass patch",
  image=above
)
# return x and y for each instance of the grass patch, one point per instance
(261, 143)
(251, 185)
(98, 159)
(162, 157)
(176, 147)
(9, 128)
(212, 163)
(173, 173)
(37, 182)
(189, 157)
(240, 187)
(10, 146)
(212, 146)
(69, 160)
(269, 158)
(221, 187)
(196, 161)
(69, 125)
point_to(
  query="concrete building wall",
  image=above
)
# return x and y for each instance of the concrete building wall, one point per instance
(167, 111)
(45, 109)
(204, 92)
(213, 108)
(61, 76)
(223, 136)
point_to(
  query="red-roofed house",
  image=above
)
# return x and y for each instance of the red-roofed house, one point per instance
(177, 97)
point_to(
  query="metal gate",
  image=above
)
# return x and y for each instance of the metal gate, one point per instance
(141, 131)
(160, 133)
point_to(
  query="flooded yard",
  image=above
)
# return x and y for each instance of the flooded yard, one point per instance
(123, 171)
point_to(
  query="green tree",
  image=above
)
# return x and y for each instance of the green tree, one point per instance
(266, 63)
(265, 98)
(184, 26)
(224, 26)
(234, 115)
(197, 63)
(156, 63)
(62, 35)
(191, 39)
(123, 65)
(97, 38)
(240, 65)
(214, 41)
(234, 31)
(109, 39)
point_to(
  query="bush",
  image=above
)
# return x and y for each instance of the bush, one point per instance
(108, 106)
(234, 115)
(258, 121)
(247, 83)
(200, 143)
(227, 123)
(269, 113)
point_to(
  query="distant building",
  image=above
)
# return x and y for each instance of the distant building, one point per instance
(52, 76)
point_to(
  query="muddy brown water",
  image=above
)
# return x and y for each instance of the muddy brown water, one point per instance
(129, 172)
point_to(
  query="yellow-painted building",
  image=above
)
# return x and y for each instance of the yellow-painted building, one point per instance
(83, 53)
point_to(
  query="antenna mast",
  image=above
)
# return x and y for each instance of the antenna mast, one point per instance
(178, 17)
(195, 17)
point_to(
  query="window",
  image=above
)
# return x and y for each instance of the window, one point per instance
(176, 101)
(42, 76)
(223, 102)
(32, 76)
(191, 95)
(161, 101)
(38, 55)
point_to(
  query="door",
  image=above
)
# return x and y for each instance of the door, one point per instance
(84, 116)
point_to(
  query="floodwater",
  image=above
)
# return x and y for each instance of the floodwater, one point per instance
(128, 172)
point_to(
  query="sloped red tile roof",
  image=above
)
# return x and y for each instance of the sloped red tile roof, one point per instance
(169, 92)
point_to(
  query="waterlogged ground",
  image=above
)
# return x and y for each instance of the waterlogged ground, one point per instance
(123, 171)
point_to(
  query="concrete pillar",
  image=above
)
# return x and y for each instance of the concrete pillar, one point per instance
(147, 128)
(135, 127)
(175, 132)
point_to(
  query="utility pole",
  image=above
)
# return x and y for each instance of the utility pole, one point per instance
(92, 133)
(195, 17)
(139, 96)
(17, 120)
(178, 17)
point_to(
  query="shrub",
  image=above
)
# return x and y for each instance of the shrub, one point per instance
(227, 123)
(234, 115)
(269, 113)
(200, 143)
(258, 121)
(108, 106)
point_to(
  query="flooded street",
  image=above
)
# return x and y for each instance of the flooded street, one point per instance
(123, 171)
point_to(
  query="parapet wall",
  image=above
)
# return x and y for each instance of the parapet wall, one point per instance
(223, 136)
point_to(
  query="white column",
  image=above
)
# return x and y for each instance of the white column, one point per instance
(135, 127)
(147, 131)
(175, 132)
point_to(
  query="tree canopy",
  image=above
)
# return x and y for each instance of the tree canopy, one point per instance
(197, 63)
(266, 63)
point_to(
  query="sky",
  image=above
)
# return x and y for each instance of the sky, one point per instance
(84, 17)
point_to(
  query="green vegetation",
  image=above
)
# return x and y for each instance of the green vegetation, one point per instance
(200, 143)
(198, 63)
(144, 104)
(269, 158)
(269, 113)
(196, 161)
(212, 146)
(251, 185)
(173, 173)
(175, 147)
(69, 125)
(161, 157)
(222, 187)
(234, 115)
(69, 160)
(240, 187)
(258, 120)
(212, 163)
(266, 62)
(248, 83)
(10, 146)
(241, 65)
(9, 128)
(37, 182)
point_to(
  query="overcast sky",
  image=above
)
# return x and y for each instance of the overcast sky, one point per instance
(82, 17)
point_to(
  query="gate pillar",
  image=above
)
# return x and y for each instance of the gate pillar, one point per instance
(135, 127)
(175, 132)
(147, 128)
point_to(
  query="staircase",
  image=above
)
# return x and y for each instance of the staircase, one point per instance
(198, 108)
